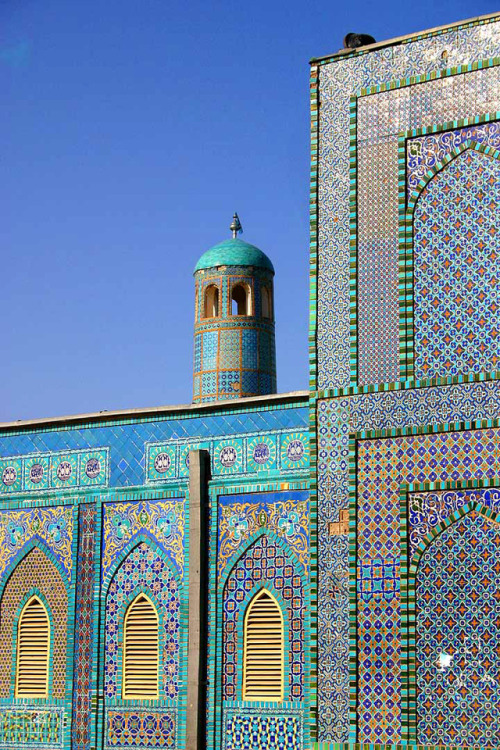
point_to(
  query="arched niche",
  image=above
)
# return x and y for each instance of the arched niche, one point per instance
(211, 302)
(456, 246)
(457, 635)
(35, 572)
(241, 303)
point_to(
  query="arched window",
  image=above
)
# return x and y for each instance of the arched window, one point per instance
(211, 306)
(266, 302)
(33, 646)
(240, 300)
(263, 650)
(140, 650)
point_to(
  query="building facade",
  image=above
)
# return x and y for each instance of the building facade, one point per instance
(308, 570)
(404, 366)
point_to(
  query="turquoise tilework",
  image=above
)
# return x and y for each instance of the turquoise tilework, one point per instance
(210, 344)
(248, 454)
(36, 473)
(55, 471)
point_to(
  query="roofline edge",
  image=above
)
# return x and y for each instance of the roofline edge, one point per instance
(399, 39)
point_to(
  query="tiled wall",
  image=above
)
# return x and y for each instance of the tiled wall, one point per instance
(112, 522)
(404, 255)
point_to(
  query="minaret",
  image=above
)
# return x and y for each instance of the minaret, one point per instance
(234, 350)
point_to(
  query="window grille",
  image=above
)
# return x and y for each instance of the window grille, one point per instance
(140, 657)
(33, 646)
(263, 650)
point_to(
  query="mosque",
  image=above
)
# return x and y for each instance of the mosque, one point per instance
(316, 569)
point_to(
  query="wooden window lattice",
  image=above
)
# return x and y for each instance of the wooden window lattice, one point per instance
(263, 650)
(33, 646)
(141, 653)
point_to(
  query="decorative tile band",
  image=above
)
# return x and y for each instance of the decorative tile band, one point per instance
(262, 729)
(39, 472)
(135, 726)
(273, 452)
(31, 726)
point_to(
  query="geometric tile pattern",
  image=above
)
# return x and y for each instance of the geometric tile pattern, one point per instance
(432, 101)
(383, 466)
(456, 248)
(426, 510)
(336, 420)
(234, 355)
(425, 152)
(265, 564)
(36, 573)
(32, 727)
(126, 439)
(84, 631)
(144, 569)
(266, 453)
(163, 520)
(241, 516)
(458, 636)
(262, 729)
(54, 526)
(139, 728)
(39, 472)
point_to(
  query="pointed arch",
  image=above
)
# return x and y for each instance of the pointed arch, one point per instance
(414, 616)
(135, 541)
(141, 650)
(35, 573)
(166, 602)
(451, 156)
(250, 541)
(241, 299)
(211, 307)
(263, 649)
(266, 302)
(33, 651)
(38, 543)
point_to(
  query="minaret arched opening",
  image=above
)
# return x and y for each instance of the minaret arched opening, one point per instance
(266, 303)
(240, 300)
(211, 302)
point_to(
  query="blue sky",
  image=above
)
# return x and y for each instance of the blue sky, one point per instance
(131, 130)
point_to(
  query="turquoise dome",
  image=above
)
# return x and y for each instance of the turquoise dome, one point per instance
(234, 252)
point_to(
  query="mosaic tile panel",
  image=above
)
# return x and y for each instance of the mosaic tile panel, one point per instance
(383, 466)
(127, 439)
(336, 420)
(262, 729)
(265, 563)
(381, 117)
(144, 569)
(242, 516)
(32, 726)
(427, 510)
(35, 573)
(136, 727)
(432, 102)
(458, 636)
(248, 454)
(54, 526)
(56, 471)
(163, 520)
(426, 152)
(84, 631)
(456, 281)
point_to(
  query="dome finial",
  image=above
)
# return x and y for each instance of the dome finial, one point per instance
(236, 227)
